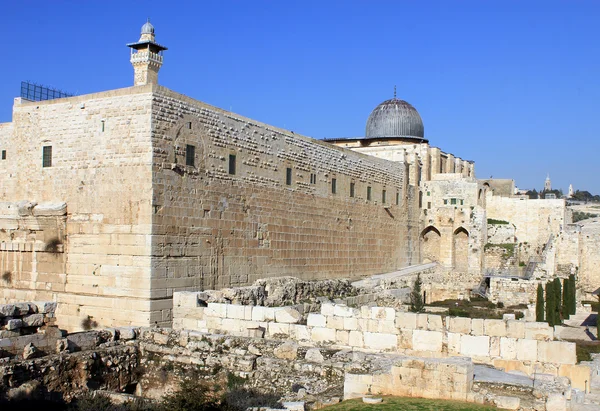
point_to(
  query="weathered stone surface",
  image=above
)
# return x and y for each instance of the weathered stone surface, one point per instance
(314, 355)
(286, 351)
(316, 320)
(29, 351)
(475, 346)
(287, 315)
(33, 320)
(14, 324)
(424, 340)
(508, 403)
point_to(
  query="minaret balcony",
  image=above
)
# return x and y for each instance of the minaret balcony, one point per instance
(146, 56)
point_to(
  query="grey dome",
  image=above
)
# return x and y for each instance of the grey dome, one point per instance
(395, 118)
(148, 28)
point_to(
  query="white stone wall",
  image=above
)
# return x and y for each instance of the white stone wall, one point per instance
(101, 168)
(528, 346)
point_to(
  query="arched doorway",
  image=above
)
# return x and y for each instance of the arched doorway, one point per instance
(461, 249)
(430, 244)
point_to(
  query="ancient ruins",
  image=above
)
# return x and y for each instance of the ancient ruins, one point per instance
(185, 234)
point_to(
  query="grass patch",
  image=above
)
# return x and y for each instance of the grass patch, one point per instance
(508, 247)
(585, 348)
(407, 404)
(494, 221)
(478, 308)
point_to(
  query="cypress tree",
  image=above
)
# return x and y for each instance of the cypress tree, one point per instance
(550, 301)
(416, 298)
(566, 299)
(539, 304)
(573, 292)
(558, 302)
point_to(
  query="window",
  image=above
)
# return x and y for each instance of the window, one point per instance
(462, 202)
(188, 125)
(397, 198)
(103, 124)
(428, 193)
(351, 189)
(313, 178)
(429, 205)
(333, 185)
(288, 176)
(47, 156)
(445, 201)
(190, 155)
(453, 201)
(3, 154)
(369, 193)
(232, 164)
(383, 196)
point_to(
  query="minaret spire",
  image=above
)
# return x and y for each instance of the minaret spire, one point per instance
(146, 56)
(394, 91)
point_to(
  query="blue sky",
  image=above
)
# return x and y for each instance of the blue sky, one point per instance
(512, 85)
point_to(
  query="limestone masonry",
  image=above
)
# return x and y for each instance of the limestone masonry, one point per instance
(112, 202)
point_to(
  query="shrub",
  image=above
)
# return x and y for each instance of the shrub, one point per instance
(416, 297)
(52, 245)
(7, 276)
(193, 395)
(494, 221)
(539, 304)
(240, 399)
(88, 323)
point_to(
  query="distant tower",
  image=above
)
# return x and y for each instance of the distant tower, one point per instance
(547, 184)
(146, 57)
(571, 192)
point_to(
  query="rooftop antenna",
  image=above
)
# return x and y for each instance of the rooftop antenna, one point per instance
(394, 92)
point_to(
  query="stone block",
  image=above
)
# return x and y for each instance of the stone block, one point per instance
(383, 313)
(508, 403)
(33, 320)
(341, 337)
(494, 328)
(475, 346)
(46, 307)
(278, 328)
(300, 332)
(8, 310)
(334, 322)
(355, 339)
(405, 339)
(434, 323)
(14, 324)
(286, 351)
(453, 343)
(557, 352)
(235, 311)
(185, 299)
(231, 325)
(321, 334)
(459, 325)
(316, 320)
(406, 320)
(527, 350)
(515, 329)
(127, 333)
(350, 323)
(314, 355)
(380, 341)
(340, 310)
(508, 348)
(421, 321)
(579, 375)
(477, 326)
(216, 310)
(258, 313)
(287, 315)
(424, 340)
(387, 327)
(495, 346)
(539, 331)
(327, 309)
(556, 402)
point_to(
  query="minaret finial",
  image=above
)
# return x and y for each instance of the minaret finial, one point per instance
(394, 91)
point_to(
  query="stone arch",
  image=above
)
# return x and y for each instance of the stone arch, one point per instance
(461, 249)
(430, 244)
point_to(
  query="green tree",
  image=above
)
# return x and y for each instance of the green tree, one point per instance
(558, 301)
(573, 292)
(416, 296)
(539, 304)
(566, 309)
(550, 302)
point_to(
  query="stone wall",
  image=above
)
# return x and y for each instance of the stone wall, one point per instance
(101, 170)
(534, 220)
(501, 233)
(513, 291)
(215, 229)
(526, 346)
(577, 252)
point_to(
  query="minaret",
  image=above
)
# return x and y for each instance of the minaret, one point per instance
(547, 184)
(146, 57)
(571, 192)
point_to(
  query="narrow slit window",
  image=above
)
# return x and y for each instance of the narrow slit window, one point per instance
(313, 178)
(383, 196)
(103, 124)
(47, 156)
(288, 176)
(333, 185)
(351, 189)
(3, 154)
(232, 164)
(397, 198)
(190, 155)
(189, 125)
(369, 193)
